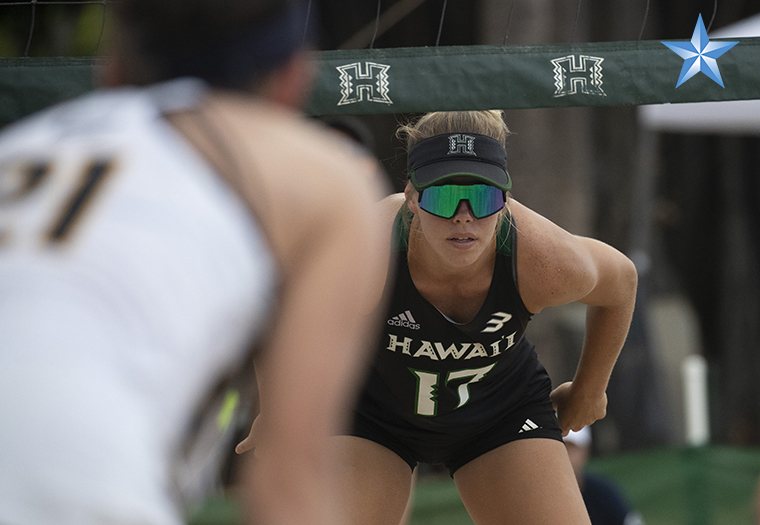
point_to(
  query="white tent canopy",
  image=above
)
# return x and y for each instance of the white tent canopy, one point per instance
(739, 117)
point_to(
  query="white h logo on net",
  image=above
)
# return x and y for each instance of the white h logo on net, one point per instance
(364, 81)
(575, 74)
(461, 144)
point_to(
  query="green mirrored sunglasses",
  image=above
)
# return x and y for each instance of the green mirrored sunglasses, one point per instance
(443, 201)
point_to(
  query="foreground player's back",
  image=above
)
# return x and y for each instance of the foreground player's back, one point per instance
(131, 279)
(145, 237)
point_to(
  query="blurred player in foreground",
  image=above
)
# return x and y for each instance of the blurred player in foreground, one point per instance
(149, 236)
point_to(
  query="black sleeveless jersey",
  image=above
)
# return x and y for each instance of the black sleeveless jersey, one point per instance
(440, 379)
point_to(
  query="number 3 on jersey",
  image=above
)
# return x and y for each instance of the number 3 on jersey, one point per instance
(426, 403)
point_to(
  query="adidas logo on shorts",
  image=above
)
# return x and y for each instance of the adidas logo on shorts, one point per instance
(528, 426)
(405, 319)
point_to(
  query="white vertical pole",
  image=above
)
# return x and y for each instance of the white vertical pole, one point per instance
(694, 373)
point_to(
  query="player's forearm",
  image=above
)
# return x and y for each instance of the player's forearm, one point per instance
(608, 317)
(606, 331)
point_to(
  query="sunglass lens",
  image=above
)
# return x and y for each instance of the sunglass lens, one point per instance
(486, 201)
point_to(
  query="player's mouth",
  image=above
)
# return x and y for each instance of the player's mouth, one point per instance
(462, 240)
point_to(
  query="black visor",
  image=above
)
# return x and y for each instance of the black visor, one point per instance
(441, 157)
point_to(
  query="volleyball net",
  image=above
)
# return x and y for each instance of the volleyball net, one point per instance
(420, 79)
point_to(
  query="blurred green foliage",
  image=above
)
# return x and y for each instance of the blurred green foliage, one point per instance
(52, 30)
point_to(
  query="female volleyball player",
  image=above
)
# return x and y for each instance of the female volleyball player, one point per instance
(454, 380)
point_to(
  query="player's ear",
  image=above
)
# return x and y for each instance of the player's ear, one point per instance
(289, 84)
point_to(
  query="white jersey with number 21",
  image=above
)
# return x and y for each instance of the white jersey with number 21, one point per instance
(131, 277)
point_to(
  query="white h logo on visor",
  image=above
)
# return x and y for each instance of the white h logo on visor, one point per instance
(461, 144)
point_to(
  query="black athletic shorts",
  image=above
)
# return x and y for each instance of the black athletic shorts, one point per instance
(535, 418)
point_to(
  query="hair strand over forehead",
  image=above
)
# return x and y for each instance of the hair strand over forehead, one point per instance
(486, 122)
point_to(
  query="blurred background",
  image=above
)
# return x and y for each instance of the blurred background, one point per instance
(681, 199)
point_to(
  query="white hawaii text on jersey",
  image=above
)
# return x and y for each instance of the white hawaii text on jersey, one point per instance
(438, 351)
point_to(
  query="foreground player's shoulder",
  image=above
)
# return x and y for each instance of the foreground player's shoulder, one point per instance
(304, 182)
(389, 207)
(313, 155)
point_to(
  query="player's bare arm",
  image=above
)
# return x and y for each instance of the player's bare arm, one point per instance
(385, 210)
(556, 267)
(318, 207)
(316, 201)
(323, 301)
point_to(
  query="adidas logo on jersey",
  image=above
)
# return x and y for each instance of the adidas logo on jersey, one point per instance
(528, 426)
(405, 319)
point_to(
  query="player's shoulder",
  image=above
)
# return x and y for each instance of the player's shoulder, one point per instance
(389, 207)
(297, 159)
(538, 236)
(339, 163)
(553, 264)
